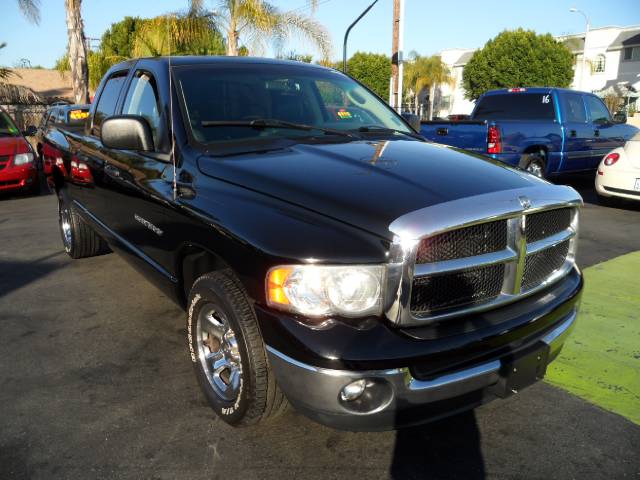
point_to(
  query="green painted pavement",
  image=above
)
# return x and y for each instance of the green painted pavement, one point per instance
(601, 360)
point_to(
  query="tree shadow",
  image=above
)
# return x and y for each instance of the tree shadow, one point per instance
(15, 274)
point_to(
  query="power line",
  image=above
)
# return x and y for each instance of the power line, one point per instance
(308, 6)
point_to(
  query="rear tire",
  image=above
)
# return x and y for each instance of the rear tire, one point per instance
(78, 239)
(535, 164)
(228, 352)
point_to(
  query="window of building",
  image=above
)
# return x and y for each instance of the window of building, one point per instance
(599, 64)
(632, 53)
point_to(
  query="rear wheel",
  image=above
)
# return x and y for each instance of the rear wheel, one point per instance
(228, 353)
(78, 239)
(534, 163)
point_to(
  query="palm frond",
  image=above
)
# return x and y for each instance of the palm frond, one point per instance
(292, 24)
(17, 94)
(30, 9)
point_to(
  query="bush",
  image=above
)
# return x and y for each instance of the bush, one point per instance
(372, 69)
(518, 58)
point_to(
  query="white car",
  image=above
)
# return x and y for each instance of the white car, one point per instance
(618, 174)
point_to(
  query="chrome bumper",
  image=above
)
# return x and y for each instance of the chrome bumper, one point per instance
(317, 391)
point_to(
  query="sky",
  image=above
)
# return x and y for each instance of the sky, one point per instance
(430, 26)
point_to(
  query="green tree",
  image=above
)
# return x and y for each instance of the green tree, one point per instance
(372, 69)
(256, 22)
(518, 58)
(30, 9)
(117, 42)
(178, 35)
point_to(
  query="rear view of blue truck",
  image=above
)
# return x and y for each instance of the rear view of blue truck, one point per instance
(547, 131)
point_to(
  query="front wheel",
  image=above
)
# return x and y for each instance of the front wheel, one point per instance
(228, 353)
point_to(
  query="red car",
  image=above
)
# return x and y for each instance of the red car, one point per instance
(18, 171)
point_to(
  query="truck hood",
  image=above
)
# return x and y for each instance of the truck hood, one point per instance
(367, 184)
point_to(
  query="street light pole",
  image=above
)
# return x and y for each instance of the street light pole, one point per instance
(584, 48)
(346, 36)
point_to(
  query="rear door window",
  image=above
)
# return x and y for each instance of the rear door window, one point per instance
(108, 100)
(573, 108)
(516, 106)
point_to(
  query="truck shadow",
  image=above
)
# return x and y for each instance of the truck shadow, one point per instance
(448, 448)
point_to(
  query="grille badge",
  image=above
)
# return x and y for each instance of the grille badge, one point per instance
(525, 202)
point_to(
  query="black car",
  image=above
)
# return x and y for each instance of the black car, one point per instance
(68, 116)
(326, 255)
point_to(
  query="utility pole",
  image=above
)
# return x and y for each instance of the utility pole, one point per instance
(395, 91)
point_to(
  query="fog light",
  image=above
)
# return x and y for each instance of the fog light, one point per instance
(353, 391)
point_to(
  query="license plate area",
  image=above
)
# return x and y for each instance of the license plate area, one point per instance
(522, 369)
(636, 186)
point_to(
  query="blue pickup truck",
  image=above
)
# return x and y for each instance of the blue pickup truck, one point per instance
(547, 131)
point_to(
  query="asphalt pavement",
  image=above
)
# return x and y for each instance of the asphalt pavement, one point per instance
(95, 382)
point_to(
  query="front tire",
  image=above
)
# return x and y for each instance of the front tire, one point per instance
(228, 353)
(78, 239)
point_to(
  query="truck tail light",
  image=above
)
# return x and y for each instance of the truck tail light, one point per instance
(493, 140)
(611, 159)
(517, 90)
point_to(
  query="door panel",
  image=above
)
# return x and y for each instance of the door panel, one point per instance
(603, 133)
(577, 132)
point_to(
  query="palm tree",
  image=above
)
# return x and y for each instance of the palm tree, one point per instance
(77, 51)
(30, 9)
(256, 21)
(425, 72)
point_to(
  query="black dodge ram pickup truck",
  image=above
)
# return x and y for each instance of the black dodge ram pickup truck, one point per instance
(326, 255)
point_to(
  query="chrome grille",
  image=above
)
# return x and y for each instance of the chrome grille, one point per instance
(465, 242)
(492, 262)
(540, 266)
(544, 224)
(438, 292)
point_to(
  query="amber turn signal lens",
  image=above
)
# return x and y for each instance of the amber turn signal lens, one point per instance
(275, 285)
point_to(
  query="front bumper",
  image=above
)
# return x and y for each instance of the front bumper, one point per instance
(18, 178)
(394, 398)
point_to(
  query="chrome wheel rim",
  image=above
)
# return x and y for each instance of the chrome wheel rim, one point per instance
(535, 168)
(218, 353)
(65, 227)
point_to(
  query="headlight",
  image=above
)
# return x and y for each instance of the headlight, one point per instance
(315, 290)
(22, 159)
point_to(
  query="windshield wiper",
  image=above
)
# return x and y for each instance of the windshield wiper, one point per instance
(261, 123)
(381, 129)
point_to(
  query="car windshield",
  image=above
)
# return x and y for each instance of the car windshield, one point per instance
(230, 104)
(7, 127)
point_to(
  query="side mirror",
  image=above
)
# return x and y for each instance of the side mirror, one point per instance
(127, 132)
(413, 120)
(30, 131)
(620, 117)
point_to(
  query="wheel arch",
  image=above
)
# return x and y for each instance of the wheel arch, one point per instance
(194, 260)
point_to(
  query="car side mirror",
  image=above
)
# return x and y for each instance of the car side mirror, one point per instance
(127, 132)
(620, 117)
(30, 131)
(413, 120)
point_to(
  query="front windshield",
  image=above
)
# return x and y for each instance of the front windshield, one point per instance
(7, 127)
(332, 103)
